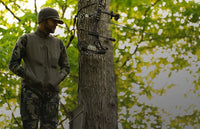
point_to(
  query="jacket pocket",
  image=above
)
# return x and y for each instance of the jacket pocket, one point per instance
(30, 77)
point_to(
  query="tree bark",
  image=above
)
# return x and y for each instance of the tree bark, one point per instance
(97, 85)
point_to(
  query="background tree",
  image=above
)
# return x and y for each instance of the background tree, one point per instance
(160, 46)
(156, 54)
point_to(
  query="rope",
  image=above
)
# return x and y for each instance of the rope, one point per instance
(74, 24)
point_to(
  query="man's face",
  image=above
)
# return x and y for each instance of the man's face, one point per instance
(50, 25)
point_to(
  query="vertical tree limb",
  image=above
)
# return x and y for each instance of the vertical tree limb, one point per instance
(36, 13)
(142, 33)
(143, 30)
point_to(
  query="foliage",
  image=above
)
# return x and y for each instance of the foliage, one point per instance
(160, 36)
(153, 38)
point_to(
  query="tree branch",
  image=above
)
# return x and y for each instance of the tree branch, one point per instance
(64, 7)
(14, 2)
(142, 32)
(150, 7)
(61, 122)
(10, 11)
(35, 4)
(68, 114)
(19, 125)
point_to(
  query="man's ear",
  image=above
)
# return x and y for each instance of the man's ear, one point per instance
(45, 21)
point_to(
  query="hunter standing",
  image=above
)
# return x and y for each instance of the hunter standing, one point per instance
(45, 65)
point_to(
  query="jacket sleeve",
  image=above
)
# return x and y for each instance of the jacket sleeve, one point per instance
(17, 55)
(63, 62)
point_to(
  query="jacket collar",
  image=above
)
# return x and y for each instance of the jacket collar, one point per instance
(41, 33)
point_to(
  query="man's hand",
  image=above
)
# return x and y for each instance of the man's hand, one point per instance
(29, 75)
(53, 85)
(36, 83)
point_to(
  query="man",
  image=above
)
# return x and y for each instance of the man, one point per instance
(45, 66)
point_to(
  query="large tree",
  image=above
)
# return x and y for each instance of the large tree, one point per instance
(97, 84)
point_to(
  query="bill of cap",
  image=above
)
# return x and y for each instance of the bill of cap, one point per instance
(58, 19)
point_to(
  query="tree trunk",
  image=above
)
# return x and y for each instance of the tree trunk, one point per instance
(97, 85)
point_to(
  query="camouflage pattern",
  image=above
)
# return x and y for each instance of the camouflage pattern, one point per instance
(17, 54)
(39, 97)
(35, 107)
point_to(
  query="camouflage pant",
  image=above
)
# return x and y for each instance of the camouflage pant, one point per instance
(35, 107)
